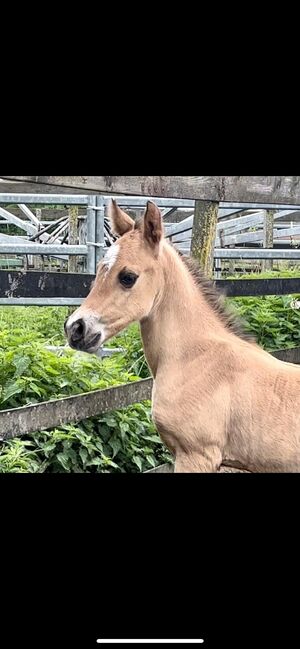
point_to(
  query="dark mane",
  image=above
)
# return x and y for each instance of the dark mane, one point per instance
(216, 300)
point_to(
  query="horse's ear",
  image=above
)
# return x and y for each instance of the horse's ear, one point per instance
(153, 225)
(120, 221)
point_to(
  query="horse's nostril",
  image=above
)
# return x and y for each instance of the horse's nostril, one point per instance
(78, 330)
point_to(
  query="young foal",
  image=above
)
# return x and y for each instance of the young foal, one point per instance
(217, 397)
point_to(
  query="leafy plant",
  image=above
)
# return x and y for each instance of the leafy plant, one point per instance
(272, 319)
(274, 322)
(121, 441)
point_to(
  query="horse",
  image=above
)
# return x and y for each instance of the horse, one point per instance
(218, 397)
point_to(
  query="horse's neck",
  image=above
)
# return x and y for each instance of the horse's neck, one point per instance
(181, 320)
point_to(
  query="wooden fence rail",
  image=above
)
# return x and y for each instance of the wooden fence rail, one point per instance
(269, 189)
(56, 412)
(37, 284)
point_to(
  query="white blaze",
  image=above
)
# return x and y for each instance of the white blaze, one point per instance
(111, 256)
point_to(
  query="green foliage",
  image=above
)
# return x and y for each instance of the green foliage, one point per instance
(45, 323)
(273, 321)
(121, 441)
(269, 274)
(118, 442)
(275, 324)
(30, 373)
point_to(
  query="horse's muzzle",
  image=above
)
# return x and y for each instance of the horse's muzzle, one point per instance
(80, 338)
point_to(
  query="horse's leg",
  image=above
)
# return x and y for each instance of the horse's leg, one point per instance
(207, 461)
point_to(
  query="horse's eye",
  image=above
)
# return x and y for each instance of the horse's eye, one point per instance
(127, 279)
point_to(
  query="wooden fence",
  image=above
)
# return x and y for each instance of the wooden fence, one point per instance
(56, 412)
(244, 189)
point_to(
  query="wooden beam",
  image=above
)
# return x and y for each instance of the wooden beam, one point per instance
(20, 223)
(250, 189)
(9, 187)
(169, 468)
(288, 355)
(73, 236)
(247, 237)
(16, 284)
(37, 284)
(28, 419)
(255, 287)
(30, 215)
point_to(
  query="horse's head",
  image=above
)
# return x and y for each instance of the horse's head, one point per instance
(127, 281)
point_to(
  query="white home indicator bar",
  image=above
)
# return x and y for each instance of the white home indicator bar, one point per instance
(119, 641)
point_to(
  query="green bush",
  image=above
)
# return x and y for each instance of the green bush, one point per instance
(271, 319)
(121, 441)
(275, 324)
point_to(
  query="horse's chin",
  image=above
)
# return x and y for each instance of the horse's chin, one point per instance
(91, 347)
(92, 350)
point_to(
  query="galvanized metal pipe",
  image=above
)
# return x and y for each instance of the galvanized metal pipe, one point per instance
(47, 199)
(41, 249)
(99, 230)
(91, 235)
(256, 253)
(40, 301)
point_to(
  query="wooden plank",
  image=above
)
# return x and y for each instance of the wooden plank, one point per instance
(50, 414)
(227, 212)
(244, 222)
(8, 187)
(256, 287)
(247, 237)
(268, 189)
(73, 236)
(288, 355)
(278, 233)
(20, 223)
(37, 284)
(244, 237)
(169, 468)
(176, 230)
(30, 215)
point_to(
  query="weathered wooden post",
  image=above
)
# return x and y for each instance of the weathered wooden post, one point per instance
(100, 214)
(204, 234)
(36, 260)
(267, 264)
(73, 236)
